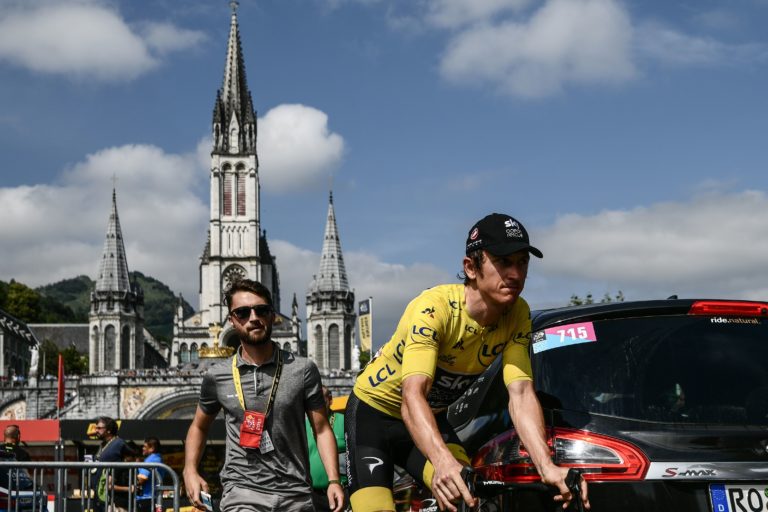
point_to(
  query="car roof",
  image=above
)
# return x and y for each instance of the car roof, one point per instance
(604, 311)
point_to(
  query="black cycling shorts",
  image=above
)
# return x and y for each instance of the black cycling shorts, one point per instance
(376, 442)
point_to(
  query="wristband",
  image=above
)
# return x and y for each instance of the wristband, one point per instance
(334, 482)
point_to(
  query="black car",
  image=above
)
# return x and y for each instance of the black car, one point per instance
(663, 405)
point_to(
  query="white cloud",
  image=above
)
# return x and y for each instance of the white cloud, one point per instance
(83, 39)
(53, 232)
(392, 286)
(666, 45)
(564, 42)
(296, 147)
(718, 19)
(712, 245)
(165, 38)
(454, 13)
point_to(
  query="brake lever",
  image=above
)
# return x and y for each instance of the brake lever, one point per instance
(573, 482)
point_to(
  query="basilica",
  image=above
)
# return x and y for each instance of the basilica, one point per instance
(131, 375)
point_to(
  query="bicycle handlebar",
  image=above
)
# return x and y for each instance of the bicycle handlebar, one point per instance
(482, 488)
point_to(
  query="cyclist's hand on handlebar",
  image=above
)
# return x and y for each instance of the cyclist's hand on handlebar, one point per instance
(448, 485)
(556, 476)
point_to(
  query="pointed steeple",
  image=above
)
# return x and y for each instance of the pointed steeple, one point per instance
(333, 274)
(234, 119)
(113, 268)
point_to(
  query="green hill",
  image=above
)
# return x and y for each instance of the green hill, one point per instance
(159, 306)
(74, 295)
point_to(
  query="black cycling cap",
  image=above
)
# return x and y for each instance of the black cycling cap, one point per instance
(500, 235)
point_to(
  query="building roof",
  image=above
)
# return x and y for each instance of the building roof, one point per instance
(113, 267)
(332, 275)
(63, 335)
(12, 324)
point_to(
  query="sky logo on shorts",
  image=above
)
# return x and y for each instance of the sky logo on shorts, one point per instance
(373, 465)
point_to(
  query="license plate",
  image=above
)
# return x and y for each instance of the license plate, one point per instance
(739, 498)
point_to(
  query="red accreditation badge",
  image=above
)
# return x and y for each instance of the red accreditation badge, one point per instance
(251, 429)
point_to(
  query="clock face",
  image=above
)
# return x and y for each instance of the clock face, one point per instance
(231, 274)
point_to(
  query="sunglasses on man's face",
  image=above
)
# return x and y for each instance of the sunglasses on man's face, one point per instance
(244, 312)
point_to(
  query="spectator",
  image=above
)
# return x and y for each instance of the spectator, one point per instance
(11, 451)
(265, 393)
(12, 437)
(151, 452)
(316, 468)
(112, 449)
(122, 481)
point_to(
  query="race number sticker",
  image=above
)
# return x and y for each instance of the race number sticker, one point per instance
(563, 336)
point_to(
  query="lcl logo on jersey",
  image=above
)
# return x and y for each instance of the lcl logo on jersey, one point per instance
(381, 375)
(487, 353)
(423, 331)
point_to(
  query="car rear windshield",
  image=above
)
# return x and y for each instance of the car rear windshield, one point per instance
(683, 369)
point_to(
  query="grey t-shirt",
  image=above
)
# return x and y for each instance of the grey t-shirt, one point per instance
(285, 469)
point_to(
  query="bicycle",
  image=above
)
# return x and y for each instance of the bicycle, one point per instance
(481, 488)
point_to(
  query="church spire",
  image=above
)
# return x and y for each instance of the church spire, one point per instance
(331, 304)
(333, 274)
(234, 119)
(113, 268)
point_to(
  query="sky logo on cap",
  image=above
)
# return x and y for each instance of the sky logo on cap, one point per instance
(474, 233)
(513, 229)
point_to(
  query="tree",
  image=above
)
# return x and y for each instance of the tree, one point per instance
(74, 362)
(23, 302)
(49, 356)
(365, 356)
(578, 301)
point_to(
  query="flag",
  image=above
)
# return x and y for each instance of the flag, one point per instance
(60, 388)
(365, 323)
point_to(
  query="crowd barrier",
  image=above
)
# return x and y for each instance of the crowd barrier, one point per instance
(67, 486)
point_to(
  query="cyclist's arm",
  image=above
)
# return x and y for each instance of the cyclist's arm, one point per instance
(526, 414)
(418, 417)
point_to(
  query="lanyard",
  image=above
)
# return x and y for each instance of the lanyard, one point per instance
(275, 381)
(104, 447)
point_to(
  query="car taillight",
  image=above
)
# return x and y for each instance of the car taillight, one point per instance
(729, 308)
(599, 457)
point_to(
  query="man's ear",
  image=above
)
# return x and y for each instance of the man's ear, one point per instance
(469, 268)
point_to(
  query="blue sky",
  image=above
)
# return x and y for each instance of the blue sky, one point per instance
(629, 138)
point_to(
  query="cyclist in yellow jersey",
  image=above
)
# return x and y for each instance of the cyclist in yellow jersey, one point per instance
(446, 338)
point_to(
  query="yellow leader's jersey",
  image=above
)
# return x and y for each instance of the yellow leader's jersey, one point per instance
(436, 337)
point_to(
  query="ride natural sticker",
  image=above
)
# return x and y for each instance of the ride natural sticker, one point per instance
(562, 336)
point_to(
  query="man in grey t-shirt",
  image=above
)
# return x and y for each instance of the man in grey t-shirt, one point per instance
(265, 393)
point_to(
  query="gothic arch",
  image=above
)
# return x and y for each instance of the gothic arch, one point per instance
(95, 345)
(110, 340)
(319, 352)
(125, 348)
(347, 347)
(172, 405)
(333, 347)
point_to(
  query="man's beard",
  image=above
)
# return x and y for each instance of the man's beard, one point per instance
(266, 338)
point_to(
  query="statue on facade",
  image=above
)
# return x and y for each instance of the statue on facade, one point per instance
(34, 360)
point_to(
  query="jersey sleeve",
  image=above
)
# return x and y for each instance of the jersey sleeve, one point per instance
(516, 358)
(425, 319)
